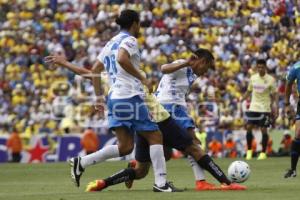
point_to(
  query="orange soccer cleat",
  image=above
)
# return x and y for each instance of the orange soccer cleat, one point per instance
(95, 186)
(131, 164)
(233, 186)
(203, 185)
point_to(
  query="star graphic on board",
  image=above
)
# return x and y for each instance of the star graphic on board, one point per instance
(37, 152)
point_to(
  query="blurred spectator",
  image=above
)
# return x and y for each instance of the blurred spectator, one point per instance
(215, 148)
(230, 150)
(226, 123)
(270, 151)
(14, 145)
(90, 141)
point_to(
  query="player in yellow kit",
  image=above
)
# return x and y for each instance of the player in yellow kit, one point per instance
(264, 100)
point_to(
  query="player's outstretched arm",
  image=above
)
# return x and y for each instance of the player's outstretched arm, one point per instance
(96, 80)
(177, 65)
(173, 67)
(61, 61)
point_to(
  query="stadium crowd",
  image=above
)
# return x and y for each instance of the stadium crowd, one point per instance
(36, 98)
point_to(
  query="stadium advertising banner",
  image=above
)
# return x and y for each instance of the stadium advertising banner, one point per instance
(51, 148)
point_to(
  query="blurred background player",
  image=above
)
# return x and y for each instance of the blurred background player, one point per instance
(121, 59)
(264, 100)
(293, 75)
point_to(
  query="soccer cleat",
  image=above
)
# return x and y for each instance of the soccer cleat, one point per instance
(249, 155)
(262, 156)
(95, 186)
(131, 164)
(203, 185)
(168, 187)
(233, 186)
(290, 173)
(76, 170)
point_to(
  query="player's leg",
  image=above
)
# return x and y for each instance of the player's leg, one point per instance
(178, 138)
(124, 147)
(197, 156)
(264, 143)
(138, 171)
(199, 175)
(295, 151)
(121, 123)
(125, 175)
(154, 140)
(142, 156)
(206, 162)
(249, 138)
(150, 132)
(182, 119)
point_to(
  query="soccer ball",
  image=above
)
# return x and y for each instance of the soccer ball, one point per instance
(238, 171)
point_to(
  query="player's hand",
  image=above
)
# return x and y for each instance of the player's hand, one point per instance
(148, 84)
(56, 60)
(191, 61)
(99, 106)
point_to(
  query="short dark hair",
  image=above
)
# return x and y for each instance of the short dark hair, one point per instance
(261, 61)
(207, 55)
(127, 18)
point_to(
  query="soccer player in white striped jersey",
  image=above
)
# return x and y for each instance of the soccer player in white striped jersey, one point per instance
(171, 93)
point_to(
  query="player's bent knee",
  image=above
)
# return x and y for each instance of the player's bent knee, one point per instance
(194, 151)
(168, 153)
(125, 149)
(153, 138)
(139, 174)
(141, 171)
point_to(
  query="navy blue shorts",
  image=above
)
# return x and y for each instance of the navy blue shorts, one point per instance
(258, 118)
(180, 114)
(173, 137)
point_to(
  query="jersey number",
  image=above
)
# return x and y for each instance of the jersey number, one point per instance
(111, 67)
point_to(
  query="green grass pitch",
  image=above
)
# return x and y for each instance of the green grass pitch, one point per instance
(52, 182)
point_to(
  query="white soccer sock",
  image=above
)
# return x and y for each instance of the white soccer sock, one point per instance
(159, 164)
(198, 171)
(107, 152)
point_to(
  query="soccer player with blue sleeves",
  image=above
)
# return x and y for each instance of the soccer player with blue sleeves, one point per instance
(293, 75)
